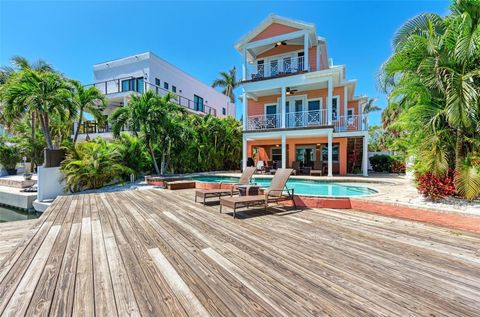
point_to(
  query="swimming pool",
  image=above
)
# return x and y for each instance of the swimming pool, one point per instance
(302, 186)
(11, 214)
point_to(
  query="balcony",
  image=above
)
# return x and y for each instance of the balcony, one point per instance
(280, 67)
(306, 119)
(129, 85)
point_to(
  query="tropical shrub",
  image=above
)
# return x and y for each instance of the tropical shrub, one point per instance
(133, 154)
(433, 82)
(381, 163)
(92, 165)
(436, 187)
(10, 155)
(398, 166)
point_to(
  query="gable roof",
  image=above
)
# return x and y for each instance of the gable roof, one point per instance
(271, 19)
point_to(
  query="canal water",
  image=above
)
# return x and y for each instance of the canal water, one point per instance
(12, 214)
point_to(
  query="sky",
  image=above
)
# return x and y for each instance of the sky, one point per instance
(198, 36)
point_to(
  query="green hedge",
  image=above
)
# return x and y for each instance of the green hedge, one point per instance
(387, 163)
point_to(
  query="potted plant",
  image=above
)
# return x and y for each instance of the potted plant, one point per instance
(9, 157)
(27, 176)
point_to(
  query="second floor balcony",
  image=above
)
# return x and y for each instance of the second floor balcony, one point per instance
(118, 88)
(306, 119)
(276, 67)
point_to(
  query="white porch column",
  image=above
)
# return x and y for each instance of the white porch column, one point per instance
(283, 107)
(329, 101)
(245, 111)
(330, 152)
(318, 56)
(345, 104)
(244, 65)
(244, 152)
(305, 50)
(284, 151)
(365, 155)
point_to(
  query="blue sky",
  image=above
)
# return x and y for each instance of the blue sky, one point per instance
(197, 36)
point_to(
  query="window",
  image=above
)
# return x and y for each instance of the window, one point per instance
(335, 149)
(273, 67)
(335, 102)
(350, 114)
(157, 82)
(313, 105)
(300, 61)
(224, 111)
(260, 68)
(165, 85)
(305, 154)
(276, 154)
(198, 103)
(133, 84)
(174, 88)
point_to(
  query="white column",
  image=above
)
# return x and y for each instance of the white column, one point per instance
(329, 101)
(365, 155)
(244, 153)
(283, 109)
(245, 111)
(244, 65)
(330, 152)
(284, 151)
(305, 54)
(345, 104)
(318, 56)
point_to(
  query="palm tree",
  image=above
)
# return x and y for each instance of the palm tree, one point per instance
(370, 106)
(89, 100)
(434, 90)
(20, 64)
(43, 93)
(149, 115)
(227, 81)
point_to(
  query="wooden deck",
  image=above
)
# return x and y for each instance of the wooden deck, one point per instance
(157, 253)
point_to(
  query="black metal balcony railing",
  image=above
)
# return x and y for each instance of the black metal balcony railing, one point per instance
(139, 85)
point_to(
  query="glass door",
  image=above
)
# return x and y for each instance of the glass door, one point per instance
(271, 117)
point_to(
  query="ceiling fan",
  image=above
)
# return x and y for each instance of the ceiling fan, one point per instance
(290, 91)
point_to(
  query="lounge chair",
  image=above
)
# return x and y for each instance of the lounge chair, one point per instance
(317, 168)
(277, 191)
(203, 194)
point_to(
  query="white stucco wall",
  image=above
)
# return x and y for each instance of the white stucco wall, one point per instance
(151, 66)
(49, 182)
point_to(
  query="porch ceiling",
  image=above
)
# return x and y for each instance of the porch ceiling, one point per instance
(292, 134)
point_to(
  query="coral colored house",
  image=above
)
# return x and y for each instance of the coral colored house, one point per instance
(297, 105)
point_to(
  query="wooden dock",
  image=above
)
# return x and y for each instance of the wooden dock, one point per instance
(157, 253)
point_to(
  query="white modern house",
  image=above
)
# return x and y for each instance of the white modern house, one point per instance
(120, 78)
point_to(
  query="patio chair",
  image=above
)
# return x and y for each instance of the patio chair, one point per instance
(203, 194)
(317, 168)
(261, 166)
(296, 167)
(277, 191)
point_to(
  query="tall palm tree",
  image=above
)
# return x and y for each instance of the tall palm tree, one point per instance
(148, 116)
(44, 93)
(20, 64)
(227, 81)
(89, 100)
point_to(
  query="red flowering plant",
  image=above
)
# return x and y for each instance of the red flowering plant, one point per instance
(436, 187)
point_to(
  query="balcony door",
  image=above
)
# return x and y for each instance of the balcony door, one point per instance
(295, 111)
(271, 117)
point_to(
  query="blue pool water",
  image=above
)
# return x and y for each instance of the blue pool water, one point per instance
(301, 186)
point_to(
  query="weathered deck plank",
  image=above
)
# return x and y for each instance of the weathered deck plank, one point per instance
(153, 252)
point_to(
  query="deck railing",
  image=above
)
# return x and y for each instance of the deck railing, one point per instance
(140, 84)
(277, 67)
(304, 119)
